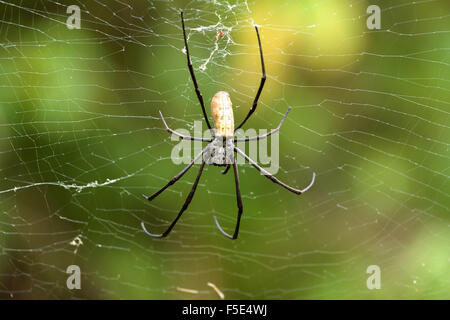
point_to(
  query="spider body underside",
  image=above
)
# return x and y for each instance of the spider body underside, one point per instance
(220, 150)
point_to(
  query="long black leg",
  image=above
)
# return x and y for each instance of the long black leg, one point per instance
(267, 134)
(263, 80)
(179, 134)
(185, 205)
(271, 177)
(175, 178)
(239, 204)
(194, 80)
(226, 169)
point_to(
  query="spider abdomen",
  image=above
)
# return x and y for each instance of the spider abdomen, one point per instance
(222, 114)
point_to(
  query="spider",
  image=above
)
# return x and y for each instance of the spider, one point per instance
(221, 149)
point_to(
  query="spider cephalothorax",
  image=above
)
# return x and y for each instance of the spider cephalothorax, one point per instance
(221, 149)
(220, 152)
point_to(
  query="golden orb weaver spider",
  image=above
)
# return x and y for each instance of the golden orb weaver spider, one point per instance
(220, 150)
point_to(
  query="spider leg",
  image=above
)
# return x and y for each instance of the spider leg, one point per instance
(271, 177)
(239, 204)
(267, 134)
(194, 80)
(226, 169)
(261, 85)
(179, 134)
(185, 205)
(175, 178)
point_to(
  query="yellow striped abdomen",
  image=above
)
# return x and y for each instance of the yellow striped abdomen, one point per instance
(222, 114)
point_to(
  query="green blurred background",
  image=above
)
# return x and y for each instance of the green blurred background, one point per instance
(81, 140)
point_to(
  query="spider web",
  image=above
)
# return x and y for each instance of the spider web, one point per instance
(81, 140)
